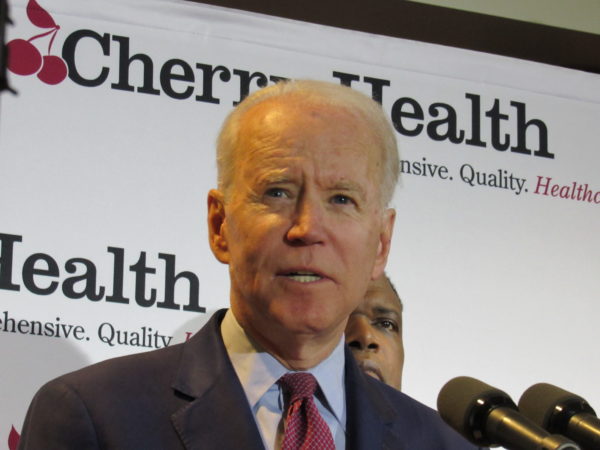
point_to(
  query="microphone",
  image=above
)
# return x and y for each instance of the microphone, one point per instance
(563, 412)
(487, 417)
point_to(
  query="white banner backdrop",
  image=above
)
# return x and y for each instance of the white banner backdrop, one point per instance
(104, 174)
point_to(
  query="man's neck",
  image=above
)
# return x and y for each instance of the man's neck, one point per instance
(294, 351)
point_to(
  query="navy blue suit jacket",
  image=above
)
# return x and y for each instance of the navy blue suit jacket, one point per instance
(188, 397)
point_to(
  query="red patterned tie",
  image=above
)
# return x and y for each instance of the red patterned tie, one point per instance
(304, 427)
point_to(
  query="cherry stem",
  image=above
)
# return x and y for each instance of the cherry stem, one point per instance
(42, 35)
(52, 39)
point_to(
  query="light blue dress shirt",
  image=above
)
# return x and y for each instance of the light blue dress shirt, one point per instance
(258, 373)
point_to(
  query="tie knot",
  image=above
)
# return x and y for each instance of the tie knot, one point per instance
(299, 385)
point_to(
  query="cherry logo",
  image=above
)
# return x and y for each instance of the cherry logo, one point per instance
(13, 439)
(25, 59)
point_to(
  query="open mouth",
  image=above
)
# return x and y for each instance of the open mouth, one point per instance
(304, 277)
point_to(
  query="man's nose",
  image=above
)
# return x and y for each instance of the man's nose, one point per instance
(360, 335)
(308, 222)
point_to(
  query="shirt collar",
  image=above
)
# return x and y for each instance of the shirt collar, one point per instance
(258, 371)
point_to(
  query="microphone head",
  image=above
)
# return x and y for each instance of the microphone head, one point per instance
(465, 404)
(552, 407)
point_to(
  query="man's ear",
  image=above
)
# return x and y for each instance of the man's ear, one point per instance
(385, 242)
(217, 236)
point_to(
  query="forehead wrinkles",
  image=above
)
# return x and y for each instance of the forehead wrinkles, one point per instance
(257, 140)
(286, 123)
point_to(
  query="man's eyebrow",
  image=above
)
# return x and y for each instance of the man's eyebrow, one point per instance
(349, 186)
(381, 310)
(276, 176)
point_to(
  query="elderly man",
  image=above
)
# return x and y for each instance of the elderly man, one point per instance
(305, 172)
(374, 333)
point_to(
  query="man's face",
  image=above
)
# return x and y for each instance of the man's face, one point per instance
(302, 227)
(374, 334)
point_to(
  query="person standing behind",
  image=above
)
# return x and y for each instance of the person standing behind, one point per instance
(374, 333)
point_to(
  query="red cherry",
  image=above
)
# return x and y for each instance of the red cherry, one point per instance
(54, 70)
(23, 57)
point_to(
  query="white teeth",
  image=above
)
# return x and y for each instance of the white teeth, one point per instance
(304, 277)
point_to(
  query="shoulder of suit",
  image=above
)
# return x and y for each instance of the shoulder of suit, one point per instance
(421, 417)
(130, 369)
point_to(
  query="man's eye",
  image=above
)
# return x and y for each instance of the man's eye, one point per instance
(388, 324)
(276, 193)
(341, 199)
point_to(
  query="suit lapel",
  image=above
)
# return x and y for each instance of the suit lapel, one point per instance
(218, 415)
(369, 417)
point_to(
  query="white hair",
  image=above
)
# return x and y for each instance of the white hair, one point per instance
(320, 93)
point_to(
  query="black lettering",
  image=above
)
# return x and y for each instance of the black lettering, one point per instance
(417, 168)
(6, 261)
(208, 73)
(78, 332)
(23, 326)
(398, 112)
(522, 125)
(496, 116)
(8, 321)
(448, 122)
(48, 329)
(36, 327)
(475, 138)
(141, 270)
(377, 85)
(346, 79)
(167, 76)
(107, 336)
(29, 271)
(118, 270)
(245, 80)
(405, 166)
(171, 279)
(125, 64)
(68, 54)
(88, 278)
